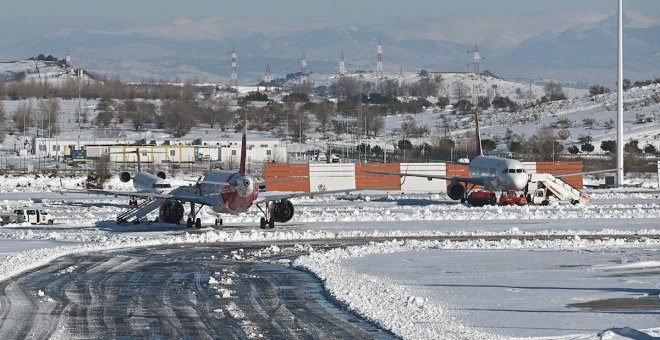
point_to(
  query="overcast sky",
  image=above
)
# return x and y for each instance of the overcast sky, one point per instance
(500, 22)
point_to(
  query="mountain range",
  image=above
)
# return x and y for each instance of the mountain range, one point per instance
(581, 55)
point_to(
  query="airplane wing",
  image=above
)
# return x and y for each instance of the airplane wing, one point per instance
(470, 180)
(585, 173)
(268, 196)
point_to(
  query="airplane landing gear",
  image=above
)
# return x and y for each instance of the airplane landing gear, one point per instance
(266, 221)
(193, 220)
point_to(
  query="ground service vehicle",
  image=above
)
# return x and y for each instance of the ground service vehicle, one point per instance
(510, 198)
(33, 216)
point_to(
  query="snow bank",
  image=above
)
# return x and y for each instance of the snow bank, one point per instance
(403, 310)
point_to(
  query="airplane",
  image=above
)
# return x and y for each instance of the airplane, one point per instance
(143, 182)
(490, 172)
(226, 192)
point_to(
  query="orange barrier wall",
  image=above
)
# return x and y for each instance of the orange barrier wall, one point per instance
(558, 168)
(291, 177)
(365, 180)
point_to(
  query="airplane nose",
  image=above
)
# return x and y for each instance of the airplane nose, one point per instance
(521, 181)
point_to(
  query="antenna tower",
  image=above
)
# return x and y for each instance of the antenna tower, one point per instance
(303, 69)
(342, 66)
(379, 60)
(268, 78)
(477, 58)
(234, 73)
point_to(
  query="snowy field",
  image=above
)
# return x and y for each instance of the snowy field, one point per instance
(454, 272)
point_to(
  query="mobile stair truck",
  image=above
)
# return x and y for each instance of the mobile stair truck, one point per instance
(546, 189)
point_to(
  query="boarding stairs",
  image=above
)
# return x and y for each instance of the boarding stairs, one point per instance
(562, 190)
(141, 210)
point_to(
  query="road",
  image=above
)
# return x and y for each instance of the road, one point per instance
(217, 291)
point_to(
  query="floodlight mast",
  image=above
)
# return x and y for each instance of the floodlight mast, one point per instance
(619, 124)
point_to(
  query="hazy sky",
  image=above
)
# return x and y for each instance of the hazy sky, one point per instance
(500, 22)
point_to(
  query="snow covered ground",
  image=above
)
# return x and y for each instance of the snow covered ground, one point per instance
(566, 272)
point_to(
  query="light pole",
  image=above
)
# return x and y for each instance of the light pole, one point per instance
(619, 116)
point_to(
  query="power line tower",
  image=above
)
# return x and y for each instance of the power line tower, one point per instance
(268, 78)
(379, 60)
(399, 82)
(477, 58)
(303, 69)
(233, 82)
(342, 66)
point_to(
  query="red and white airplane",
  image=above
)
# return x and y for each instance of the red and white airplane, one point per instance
(491, 173)
(226, 192)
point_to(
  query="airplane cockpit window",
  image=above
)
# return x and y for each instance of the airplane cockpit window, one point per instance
(512, 171)
(505, 171)
(520, 171)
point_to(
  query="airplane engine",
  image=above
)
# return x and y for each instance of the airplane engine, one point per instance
(125, 176)
(281, 211)
(171, 211)
(456, 191)
(161, 174)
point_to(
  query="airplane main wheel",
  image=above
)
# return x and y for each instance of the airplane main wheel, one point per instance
(271, 223)
(198, 223)
(218, 221)
(262, 225)
(189, 223)
(136, 221)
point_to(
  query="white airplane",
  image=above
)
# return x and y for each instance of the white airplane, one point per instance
(491, 173)
(226, 192)
(143, 182)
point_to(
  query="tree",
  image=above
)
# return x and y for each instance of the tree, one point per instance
(463, 106)
(587, 147)
(461, 91)
(609, 125)
(322, 111)
(585, 139)
(554, 91)
(632, 147)
(23, 116)
(564, 134)
(598, 89)
(178, 116)
(488, 145)
(589, 123)
(483, 103)
(608, 146)
(3, 122)
(573, 150)
(410, 128)
(544, 144)
(50, 109)
(404, 144)
(650, 149)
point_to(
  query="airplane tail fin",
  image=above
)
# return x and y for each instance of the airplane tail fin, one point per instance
(478, 151)
(243, 168)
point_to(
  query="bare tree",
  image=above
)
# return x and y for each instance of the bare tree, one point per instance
(50, 109)
(23, 116)
(178, 116)
(460, 90)
(3, 122)
(322, 111)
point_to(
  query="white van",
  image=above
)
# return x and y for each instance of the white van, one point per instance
(34, 216)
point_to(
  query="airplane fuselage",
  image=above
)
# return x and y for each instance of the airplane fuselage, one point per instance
(146, 182)
(499, 173)
(236, 197)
